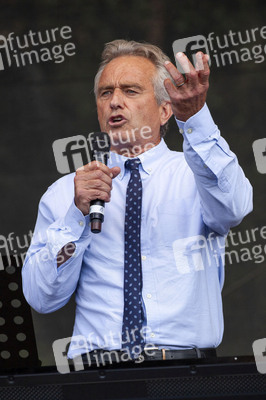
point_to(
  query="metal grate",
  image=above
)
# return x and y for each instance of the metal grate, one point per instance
(17, 339)
(177, 388)
(45, 392)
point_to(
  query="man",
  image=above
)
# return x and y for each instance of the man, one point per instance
(187, 203)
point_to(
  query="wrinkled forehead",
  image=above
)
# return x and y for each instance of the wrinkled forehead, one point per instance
(128, 70)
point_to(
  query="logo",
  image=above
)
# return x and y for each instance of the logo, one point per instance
(12, 246)
(226, 49)
(190, 254)
(60, 347)
(4, 53)
(71, 153)
(74, 152)
(259, 350)
(1, 263)
(259, 150)
(80, 347)
(36, 47)
(190, 46)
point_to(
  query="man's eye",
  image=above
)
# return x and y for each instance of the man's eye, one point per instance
(131, 91)
(105, 93)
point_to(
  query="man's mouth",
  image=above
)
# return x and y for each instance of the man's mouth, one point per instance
(117, 121)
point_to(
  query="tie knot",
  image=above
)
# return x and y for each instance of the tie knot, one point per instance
(133, 164)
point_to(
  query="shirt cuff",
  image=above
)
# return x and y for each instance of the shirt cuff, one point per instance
(199, 128)
(73, 227)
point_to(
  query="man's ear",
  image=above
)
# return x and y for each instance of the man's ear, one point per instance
(165, 112)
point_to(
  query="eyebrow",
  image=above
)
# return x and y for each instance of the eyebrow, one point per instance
(122, 86)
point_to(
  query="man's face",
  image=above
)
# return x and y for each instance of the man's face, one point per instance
(127, 107)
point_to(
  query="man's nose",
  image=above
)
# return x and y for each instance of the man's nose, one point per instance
(117, 100)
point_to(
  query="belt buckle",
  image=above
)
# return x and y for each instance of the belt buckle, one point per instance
(156, 348)
(147, 349)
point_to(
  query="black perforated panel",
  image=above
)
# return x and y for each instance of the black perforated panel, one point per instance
(177, 388)
(49, 392)
(129, 384)
(17, 339)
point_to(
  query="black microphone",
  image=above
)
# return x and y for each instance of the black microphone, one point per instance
(99, 146)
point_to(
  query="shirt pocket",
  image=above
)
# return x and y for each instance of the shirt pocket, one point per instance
(177, 219)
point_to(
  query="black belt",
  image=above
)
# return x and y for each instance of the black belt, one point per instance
(103, 357)
(164, 354)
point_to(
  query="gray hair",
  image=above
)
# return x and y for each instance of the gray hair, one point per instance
(118, 48)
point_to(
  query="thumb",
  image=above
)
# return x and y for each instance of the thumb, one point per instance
(114, 172)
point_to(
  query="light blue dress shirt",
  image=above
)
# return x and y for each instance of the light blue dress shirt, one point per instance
(190, 201)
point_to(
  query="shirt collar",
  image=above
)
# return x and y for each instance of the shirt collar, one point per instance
(149, 159)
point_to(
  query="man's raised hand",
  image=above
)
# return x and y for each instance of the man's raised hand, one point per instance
(188, 95)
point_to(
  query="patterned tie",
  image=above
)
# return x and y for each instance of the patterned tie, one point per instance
(132, 339)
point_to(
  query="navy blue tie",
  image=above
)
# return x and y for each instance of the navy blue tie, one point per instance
(132, 338)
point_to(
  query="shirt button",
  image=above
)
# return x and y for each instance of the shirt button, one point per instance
(149, 296)
(152, 334)
(181, 130)
(149, 169)
(190, 130)
(143, 258)
(81, 223)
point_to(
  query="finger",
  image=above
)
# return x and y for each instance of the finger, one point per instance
(91, 190)
(97, 175)
(99, 195)
(199, 61)
(84, 197)
(94, 165)
(96, 184)
(191, 77)
(171, 89)
(184, 63)
(193, 74)
(204, 72)
(178, 78)
(114, 172)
